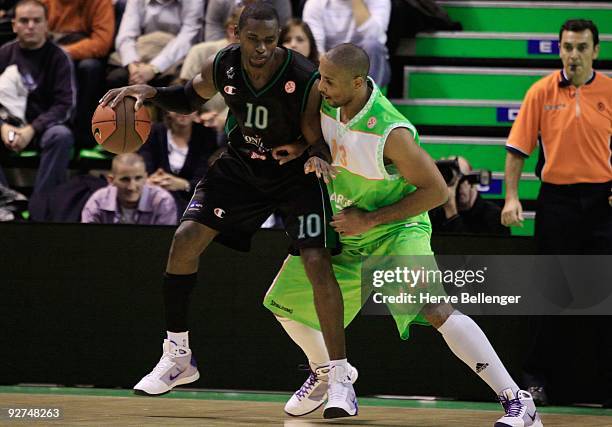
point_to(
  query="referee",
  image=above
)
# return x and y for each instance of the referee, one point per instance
(569, 113)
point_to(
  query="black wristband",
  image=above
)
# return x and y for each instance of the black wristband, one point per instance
(178, 98)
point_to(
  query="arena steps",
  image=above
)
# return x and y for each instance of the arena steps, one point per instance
(526, 16)
(460, 113)
(468, 44)
(480, 83)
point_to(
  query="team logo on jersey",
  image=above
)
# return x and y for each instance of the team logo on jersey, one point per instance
(290, 86)
(230, 90)
(230, 73)
(219, 212)
(371, 122)
(601, 106)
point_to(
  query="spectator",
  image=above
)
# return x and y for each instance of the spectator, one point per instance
(569, 112)
(218, 11)
(85, 30)
(202, 51)
(465, 211)
(176, 155)
(153, 39)
(296, 35)
(47, 74)
(128, 199)
(361, 22)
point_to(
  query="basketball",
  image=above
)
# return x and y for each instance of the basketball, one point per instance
(121, 130)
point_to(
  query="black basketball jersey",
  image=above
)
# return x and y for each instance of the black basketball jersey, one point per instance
(263, 119)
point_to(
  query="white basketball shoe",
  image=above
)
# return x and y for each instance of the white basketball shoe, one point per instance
(177, 366)
(520, 410)
(313, 392)
(341, 398)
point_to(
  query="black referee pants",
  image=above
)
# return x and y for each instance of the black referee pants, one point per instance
(571, 219)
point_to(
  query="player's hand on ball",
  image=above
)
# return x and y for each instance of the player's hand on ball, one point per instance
(512, 213)
(351, 221)
(321, 168)
(139, 92)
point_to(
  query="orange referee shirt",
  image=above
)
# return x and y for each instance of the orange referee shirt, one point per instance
(574, 126)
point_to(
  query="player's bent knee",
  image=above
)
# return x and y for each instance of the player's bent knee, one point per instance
(191, 238)
(315, 259)
(436, 314)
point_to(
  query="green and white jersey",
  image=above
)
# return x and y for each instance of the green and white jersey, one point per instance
(363, 179)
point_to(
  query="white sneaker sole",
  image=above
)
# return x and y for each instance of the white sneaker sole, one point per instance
(309, 412)
(182, 381)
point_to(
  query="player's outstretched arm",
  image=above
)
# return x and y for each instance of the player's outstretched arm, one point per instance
(310, 123)
(419, 169)
(182, 99)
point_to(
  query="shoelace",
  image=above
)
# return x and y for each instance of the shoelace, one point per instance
(163, 365)
(513, 407)
(307, 386)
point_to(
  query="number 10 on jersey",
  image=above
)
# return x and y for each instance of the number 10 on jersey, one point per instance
(260, 119)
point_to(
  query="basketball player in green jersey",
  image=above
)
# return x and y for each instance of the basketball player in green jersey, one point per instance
(381, 189)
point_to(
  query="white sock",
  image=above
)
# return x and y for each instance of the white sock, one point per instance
(179, 338)
(308, 339)
(465, 338)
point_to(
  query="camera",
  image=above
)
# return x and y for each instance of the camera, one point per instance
(450, 168)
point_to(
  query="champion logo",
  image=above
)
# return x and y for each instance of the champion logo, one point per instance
(290, 86)
(372, 122)
(481, 367)
(230, 90)
(219, 212)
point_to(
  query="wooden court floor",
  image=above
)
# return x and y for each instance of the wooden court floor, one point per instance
(110, 410)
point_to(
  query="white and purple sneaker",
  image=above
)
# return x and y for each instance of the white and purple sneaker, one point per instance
(313, 392)
(520, 410)
(177, 366)
(341, 398)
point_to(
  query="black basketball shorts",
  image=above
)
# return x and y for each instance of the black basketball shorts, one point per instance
(237, 195)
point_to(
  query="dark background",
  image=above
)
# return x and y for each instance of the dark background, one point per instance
(81, 305)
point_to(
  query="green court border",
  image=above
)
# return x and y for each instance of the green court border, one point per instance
(277, 397)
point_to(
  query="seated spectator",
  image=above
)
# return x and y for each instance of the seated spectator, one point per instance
(202, 51)
(48, 77)
(176, 155)
(361, 22)
(153, 39)
(128, 199)
(85, 30)
(465, 211)
(218, 12)
(296, 35)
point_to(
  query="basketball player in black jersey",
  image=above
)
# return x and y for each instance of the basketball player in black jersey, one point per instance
(274, 116)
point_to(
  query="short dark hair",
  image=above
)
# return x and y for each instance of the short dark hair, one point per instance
(579, 25)
(36, 2)
(259, 11)
(350, 57)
